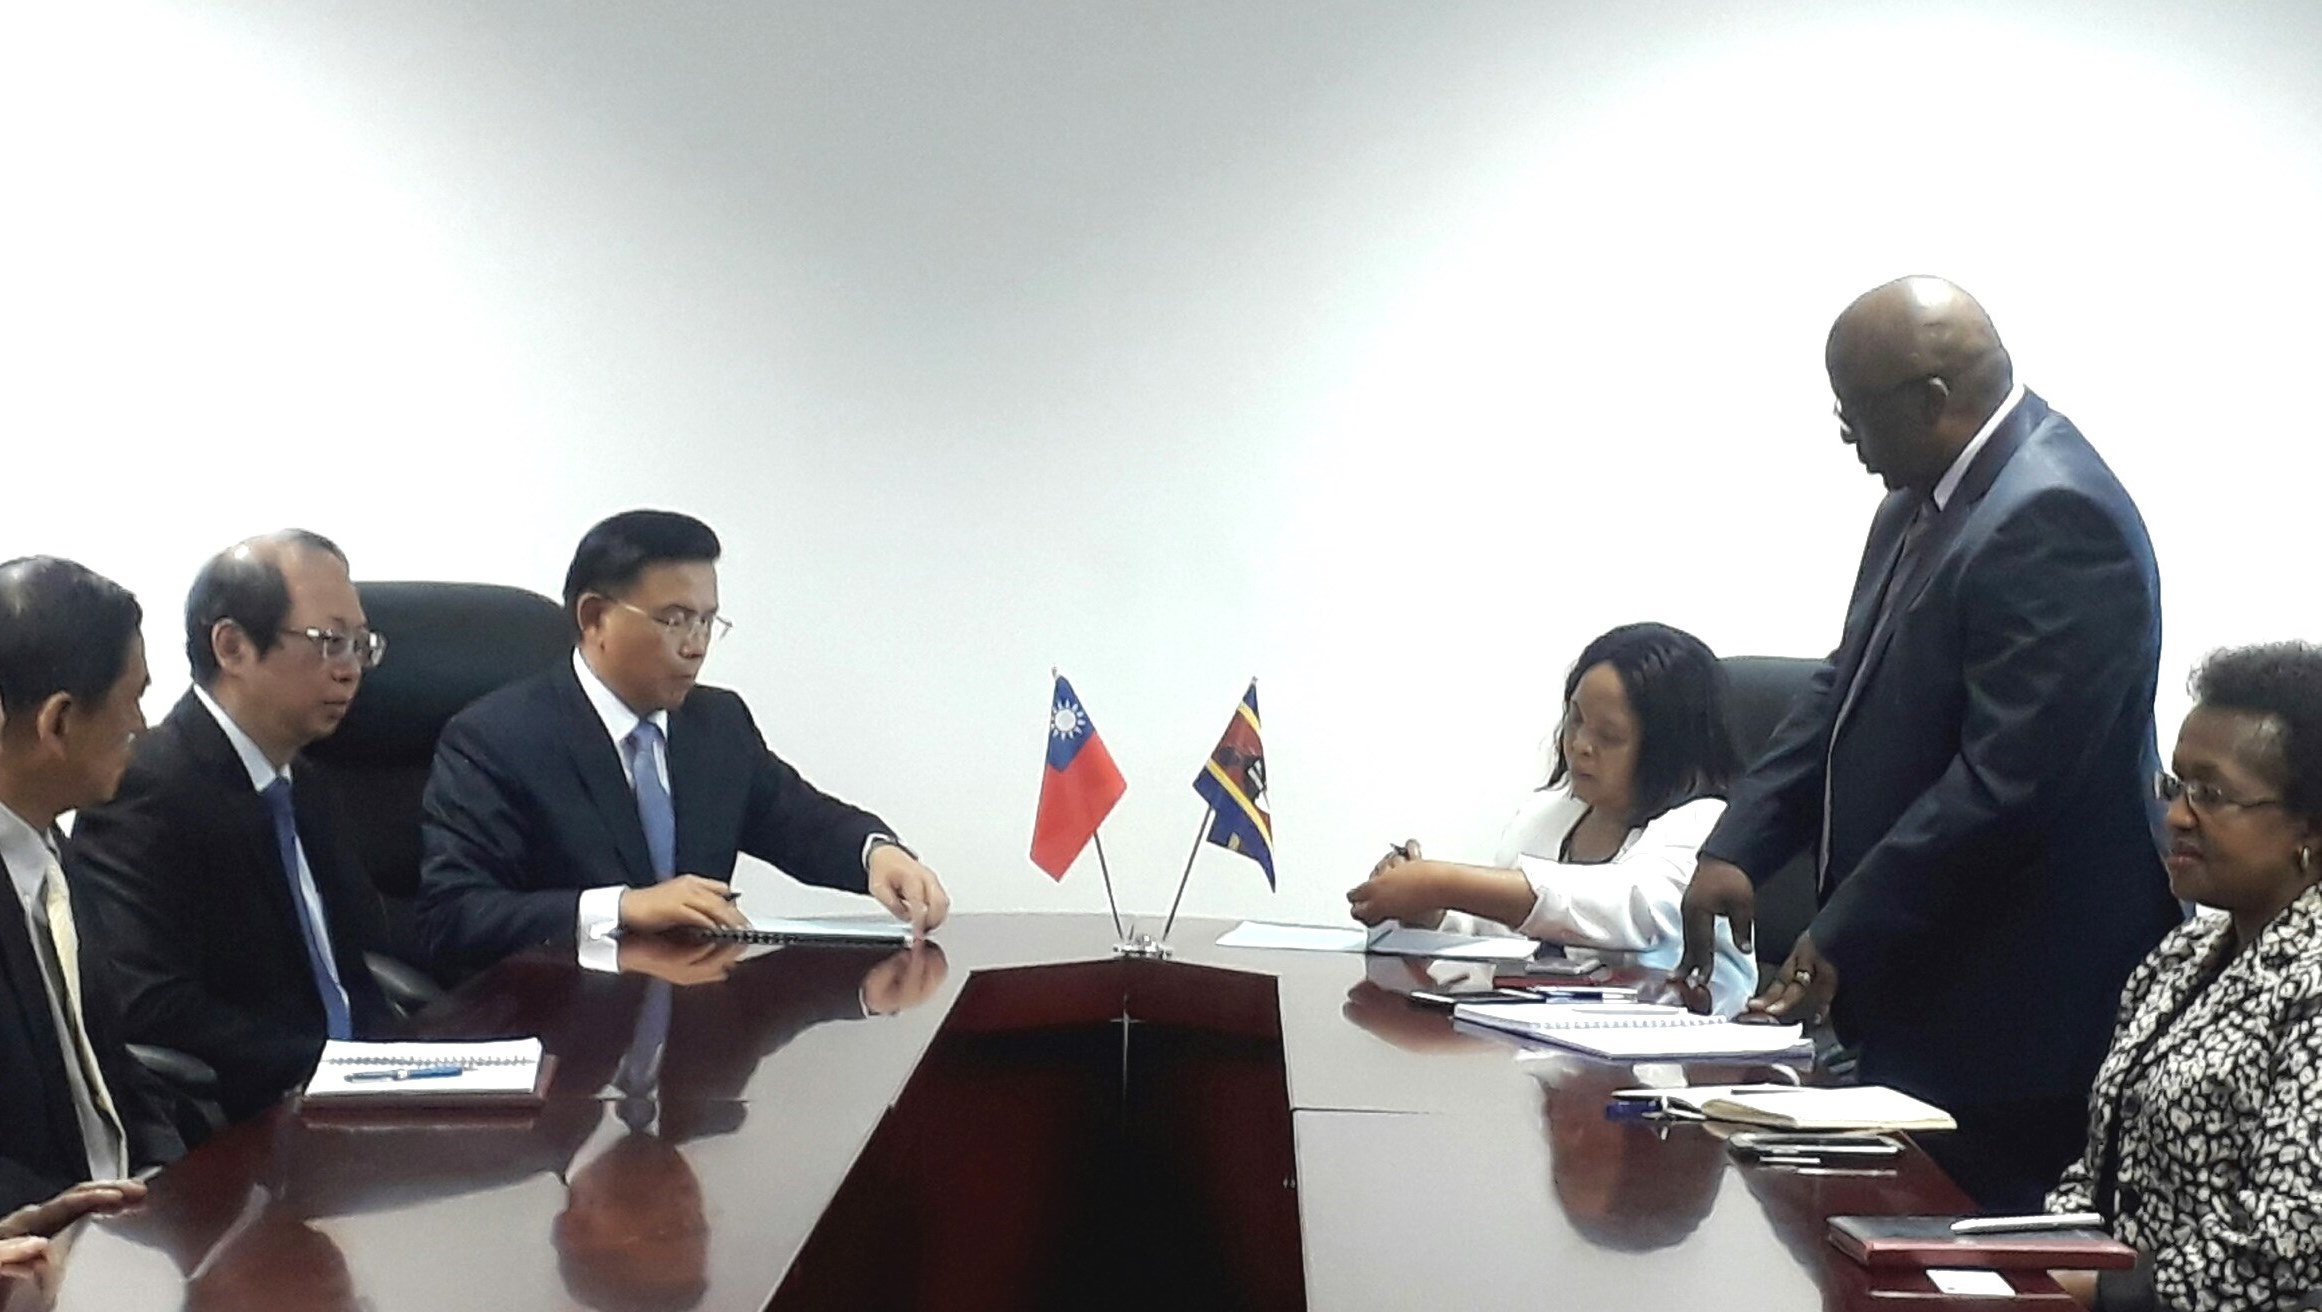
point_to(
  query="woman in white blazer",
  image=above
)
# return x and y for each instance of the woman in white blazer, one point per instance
(1600, 855)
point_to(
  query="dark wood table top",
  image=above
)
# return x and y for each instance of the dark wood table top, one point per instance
(1435, 1167)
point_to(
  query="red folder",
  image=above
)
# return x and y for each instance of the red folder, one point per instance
(1923, 1241)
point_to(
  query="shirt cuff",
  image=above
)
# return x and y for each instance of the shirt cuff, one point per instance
(593, 937)
(874, 842)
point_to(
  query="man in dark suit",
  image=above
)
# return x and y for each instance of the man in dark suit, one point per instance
(614, 794)
(237, 921)
(74, 1107)
(1972, 764)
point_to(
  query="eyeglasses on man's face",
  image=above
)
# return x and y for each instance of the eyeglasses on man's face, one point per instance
(2205, 798)
(365, 648)
(680, 625)
(1850, 429)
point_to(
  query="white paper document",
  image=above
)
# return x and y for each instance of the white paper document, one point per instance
(1962, 1283)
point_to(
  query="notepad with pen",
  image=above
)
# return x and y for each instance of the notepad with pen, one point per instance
(500, 1072)
(1634, 1031)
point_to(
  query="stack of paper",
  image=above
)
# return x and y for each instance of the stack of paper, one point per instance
(1630, 1031)
(1387, 939)
(505, 1072)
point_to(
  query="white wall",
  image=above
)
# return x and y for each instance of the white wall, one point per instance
(1385, 351)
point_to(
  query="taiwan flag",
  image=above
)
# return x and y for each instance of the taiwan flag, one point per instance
(1077, 790)
(1234, 785)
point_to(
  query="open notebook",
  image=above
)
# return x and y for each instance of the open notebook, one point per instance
(1388, 938)
(500, 1072)
(1798, 1107)
(1636, 1031)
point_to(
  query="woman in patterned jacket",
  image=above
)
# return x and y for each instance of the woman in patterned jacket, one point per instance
(2205, 1127)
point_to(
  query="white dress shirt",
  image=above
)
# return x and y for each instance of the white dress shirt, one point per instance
(600, 908)
(1949, 483)
(29, 857)
(262, 776)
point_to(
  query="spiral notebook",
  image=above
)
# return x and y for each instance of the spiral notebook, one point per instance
(1636, 1031)
(842, 933)
(497, 1072)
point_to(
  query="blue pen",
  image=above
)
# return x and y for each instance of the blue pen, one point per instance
(409, 1073)
(1585, 992)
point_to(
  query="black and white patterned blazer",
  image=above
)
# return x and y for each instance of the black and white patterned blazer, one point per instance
(2212, 1100)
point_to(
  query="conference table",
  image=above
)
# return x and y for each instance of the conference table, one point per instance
(1017, 1118)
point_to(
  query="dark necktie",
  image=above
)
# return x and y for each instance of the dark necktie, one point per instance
(653, 808)
(1914, 539)
(1890, 596)
(336, 1022)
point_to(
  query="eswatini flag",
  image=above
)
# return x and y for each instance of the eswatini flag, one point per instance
(1078, 788)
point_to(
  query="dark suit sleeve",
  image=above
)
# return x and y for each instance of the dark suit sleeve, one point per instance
(134, 867)
(21, 1186)
(475, 848)
(2054, 616)
(1774, 812)
(815, 837)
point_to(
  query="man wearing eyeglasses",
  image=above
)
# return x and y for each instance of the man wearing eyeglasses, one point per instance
(1970, 766)
(613, 793)
(237, 920)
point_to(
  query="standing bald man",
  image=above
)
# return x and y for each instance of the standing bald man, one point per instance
(1972, 765)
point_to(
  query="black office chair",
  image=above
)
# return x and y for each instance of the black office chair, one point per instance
(1759, 692)
(447, 645)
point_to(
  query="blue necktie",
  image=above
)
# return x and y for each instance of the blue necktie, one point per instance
(335, 1019)
(653, 808)
(639, 1078)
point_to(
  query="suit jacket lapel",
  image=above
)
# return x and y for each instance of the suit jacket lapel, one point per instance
(689, 776)
(334, 883)
(30, 985)
(1949, 521)
(598, 763)
(1888, 526)
(251, 822)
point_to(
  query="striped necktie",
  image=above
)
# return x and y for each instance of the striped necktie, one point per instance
(62, 940)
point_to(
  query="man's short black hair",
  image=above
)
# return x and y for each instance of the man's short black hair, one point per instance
(2281, 680)
(63, 628)
(244, 583)
(617, 550)
(1676, 690)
